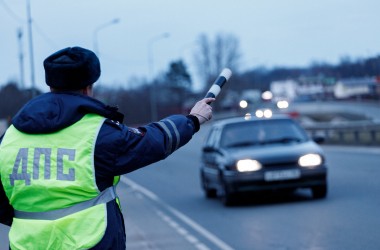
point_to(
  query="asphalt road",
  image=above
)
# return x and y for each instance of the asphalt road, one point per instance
(346, 219)
(165, 208)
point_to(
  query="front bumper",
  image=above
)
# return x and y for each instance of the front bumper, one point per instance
(256, 181)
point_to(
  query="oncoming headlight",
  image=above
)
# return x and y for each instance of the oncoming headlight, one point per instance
(248, 165)
(266, 113)
(310, 160)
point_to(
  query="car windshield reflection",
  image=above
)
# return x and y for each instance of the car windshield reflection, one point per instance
(261, 133)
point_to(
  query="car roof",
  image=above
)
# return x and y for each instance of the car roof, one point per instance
(233, 120)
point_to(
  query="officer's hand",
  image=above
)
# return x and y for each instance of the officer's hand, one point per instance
(202, 110)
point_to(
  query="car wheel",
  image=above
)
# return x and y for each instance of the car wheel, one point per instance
(319, 192)
(228, 198)
(209, 192)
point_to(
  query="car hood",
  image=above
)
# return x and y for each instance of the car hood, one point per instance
(274, 152)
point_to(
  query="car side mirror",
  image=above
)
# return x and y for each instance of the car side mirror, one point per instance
(319, 139)
(208, 149)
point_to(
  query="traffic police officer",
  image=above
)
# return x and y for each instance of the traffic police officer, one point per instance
(61, 157)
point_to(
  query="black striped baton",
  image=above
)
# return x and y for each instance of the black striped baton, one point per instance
(219, 82)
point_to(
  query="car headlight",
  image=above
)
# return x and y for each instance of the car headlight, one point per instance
(248, 165)
(310, 160)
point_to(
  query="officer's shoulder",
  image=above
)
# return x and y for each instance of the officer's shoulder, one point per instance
(114, 124)
(121, 127)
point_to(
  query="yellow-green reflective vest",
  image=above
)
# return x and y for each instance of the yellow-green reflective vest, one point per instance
(50, 182)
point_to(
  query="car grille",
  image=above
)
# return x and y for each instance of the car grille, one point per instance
(271, 165)
(280, 165)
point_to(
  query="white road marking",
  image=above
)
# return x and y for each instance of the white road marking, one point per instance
(189, 222)
(180, 230)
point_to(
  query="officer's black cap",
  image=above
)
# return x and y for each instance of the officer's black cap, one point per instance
(71, 68)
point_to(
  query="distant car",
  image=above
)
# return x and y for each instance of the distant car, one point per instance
(260, 154)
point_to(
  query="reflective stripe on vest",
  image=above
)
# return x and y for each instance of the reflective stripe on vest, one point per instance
(104, 197)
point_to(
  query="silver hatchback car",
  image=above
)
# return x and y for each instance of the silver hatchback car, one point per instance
(260, 154)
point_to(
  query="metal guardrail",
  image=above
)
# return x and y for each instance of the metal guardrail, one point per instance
(350, 132)
(347, 133)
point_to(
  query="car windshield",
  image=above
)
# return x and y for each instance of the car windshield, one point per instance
(261, 132)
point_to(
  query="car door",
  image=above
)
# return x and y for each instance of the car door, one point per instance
(210, 155)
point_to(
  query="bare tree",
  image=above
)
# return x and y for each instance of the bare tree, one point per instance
(212, 55)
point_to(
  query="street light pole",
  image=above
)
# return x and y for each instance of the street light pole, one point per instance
(21, 58)
(96, 31)
(32, 77)
(153, 96)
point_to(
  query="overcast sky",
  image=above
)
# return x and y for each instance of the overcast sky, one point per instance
(271, 32)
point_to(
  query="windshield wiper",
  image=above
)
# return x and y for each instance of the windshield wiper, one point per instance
(283, 140)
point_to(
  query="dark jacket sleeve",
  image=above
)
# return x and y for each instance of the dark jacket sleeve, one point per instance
(6, 210)
(128, 149)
